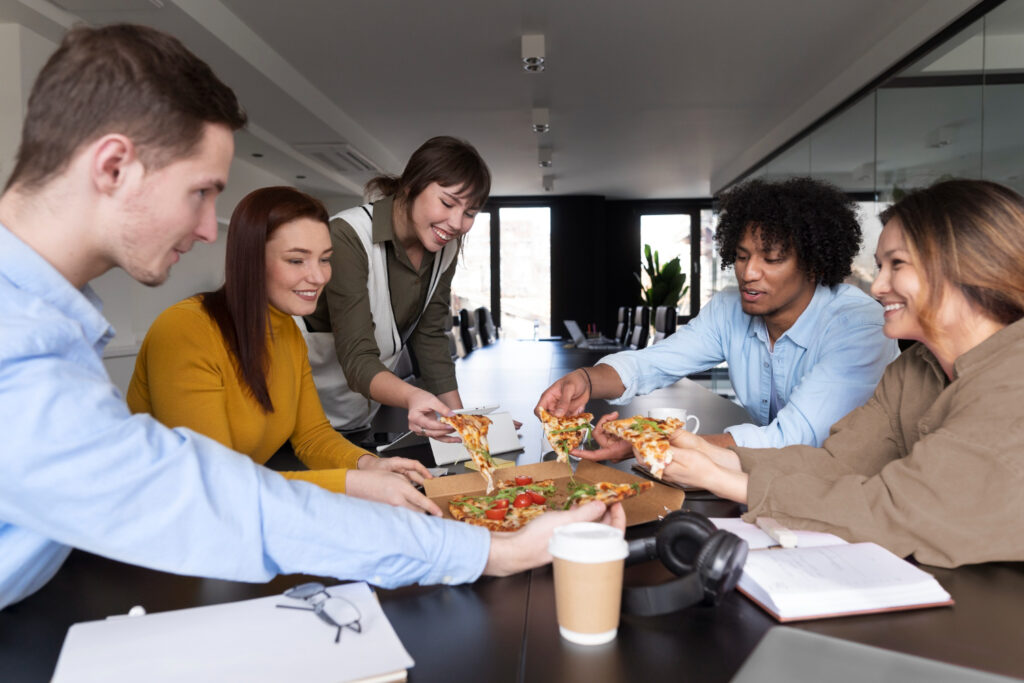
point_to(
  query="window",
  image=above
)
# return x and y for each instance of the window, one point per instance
(525, 282)
(669, 235)
(471, 286)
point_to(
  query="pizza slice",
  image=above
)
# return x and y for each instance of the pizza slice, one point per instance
(649, 437)
(565, 433)
(473, 431)
(581, 493)
(510, 508)
(496, 515)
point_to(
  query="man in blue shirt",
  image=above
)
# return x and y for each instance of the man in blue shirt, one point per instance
(802, 348)
(126, 144)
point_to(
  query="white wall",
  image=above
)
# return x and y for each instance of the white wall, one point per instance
(129, 306)
(22, 55)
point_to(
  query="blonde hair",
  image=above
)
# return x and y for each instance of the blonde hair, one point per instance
(967, 234)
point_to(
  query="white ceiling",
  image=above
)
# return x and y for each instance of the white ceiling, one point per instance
(648, 99)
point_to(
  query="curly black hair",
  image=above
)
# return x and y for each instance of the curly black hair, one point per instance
(815, 219)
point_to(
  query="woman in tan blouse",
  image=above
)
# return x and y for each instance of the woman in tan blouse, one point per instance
(933, 464)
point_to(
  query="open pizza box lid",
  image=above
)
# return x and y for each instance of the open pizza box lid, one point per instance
(646, 507)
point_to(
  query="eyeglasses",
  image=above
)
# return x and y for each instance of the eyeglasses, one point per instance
(333, 610)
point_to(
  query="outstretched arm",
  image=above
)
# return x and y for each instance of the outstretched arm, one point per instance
(569, 395)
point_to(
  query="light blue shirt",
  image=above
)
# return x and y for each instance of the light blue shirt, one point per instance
(821, 368)
(77, 469)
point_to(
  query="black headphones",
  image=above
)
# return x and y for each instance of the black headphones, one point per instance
(708, 561)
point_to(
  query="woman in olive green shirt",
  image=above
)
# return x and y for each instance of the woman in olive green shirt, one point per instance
(393, 264)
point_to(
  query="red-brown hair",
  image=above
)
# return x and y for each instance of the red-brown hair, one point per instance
(239, 307)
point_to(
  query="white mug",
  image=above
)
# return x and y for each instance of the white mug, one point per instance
(678, 413)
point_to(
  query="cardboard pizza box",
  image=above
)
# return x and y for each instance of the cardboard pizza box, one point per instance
(646, 507)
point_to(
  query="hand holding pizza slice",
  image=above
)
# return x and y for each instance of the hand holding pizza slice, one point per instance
(565, 434)
(649, 437)
(473, 430)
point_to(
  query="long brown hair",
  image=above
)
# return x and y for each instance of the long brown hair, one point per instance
(240, 306)
(967, 234)
(443, 160)
(125, 79)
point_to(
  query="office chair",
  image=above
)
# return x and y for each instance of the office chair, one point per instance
(467, 331)
(664, 322)
(624, 328)
(485, 326)
(641, 327)
(453, 344)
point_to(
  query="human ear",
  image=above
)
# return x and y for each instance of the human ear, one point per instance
(110, 158)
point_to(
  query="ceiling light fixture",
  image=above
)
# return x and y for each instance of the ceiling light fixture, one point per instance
(544, 157)
(541, 121)
(533, 52)
(548, 182)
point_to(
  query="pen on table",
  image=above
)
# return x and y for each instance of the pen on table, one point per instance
(785, 537)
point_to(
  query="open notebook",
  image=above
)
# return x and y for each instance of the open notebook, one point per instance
(824, 576)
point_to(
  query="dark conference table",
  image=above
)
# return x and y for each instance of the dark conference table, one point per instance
(505, 629)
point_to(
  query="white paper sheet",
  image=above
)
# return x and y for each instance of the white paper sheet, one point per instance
(252, 640)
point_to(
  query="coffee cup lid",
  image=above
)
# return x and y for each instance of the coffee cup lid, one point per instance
(588, 542)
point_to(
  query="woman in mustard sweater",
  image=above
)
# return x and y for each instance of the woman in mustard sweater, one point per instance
(232, 364)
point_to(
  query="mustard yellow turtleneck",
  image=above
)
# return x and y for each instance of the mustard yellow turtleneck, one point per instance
(186, 376)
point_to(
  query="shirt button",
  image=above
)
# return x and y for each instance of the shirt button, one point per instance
(376, 580)
(767, 364)
(448, 580)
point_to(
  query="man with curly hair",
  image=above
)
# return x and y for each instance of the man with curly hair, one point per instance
(803, 349)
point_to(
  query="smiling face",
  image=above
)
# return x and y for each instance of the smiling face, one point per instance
(439, 215)
(771, 283)
(298, 265)
(898, 285)
(171, 208)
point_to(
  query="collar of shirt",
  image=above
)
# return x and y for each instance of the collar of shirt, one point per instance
(383, 224)
(26, 270)
(384, 231)
(986, 350)
(804, 330)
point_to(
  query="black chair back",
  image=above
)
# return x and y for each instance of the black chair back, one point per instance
(453, 346)
(467, 330)
(485, 326)
(641, 327)
(664, 322)
(624, 328)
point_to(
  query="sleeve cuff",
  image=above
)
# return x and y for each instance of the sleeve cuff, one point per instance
(463, 554)
(627, 375)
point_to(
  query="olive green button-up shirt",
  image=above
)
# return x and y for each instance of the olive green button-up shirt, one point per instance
(344, 308)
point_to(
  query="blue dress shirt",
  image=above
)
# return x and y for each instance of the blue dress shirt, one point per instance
(77, 469)
(821, 368)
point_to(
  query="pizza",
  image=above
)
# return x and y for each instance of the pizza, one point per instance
(649, 437)
(516, 502)
(581, 493)
(565, 433)
(473, 430)
(509, 509)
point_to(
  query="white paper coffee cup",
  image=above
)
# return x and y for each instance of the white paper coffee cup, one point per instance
(588, 564)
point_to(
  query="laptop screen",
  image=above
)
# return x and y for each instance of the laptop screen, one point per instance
(574, 331)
